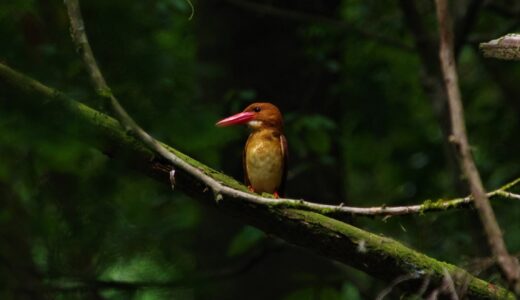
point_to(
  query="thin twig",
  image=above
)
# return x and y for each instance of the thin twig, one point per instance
(427, 206)
(424, 286)
(80, 39)
(478, 265)
(508, 195)
(393, 284)
(217, 187)
(450, 285)
(433, 295)
(192, 8)
(384, 258)
(508, 264)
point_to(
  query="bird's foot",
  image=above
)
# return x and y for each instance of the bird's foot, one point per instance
(250, 188)
(276, 196)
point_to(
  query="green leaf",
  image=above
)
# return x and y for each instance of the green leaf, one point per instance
(246, 239)
(349, 292)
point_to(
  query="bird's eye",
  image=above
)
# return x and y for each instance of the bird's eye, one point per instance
(256, 109)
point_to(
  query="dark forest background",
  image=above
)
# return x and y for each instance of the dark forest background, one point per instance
(365, 115)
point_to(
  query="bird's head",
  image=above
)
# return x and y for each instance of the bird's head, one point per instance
(256, 116)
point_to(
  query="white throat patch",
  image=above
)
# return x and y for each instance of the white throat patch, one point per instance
(254, 124)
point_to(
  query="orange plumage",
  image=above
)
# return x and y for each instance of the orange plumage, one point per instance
(265, 153)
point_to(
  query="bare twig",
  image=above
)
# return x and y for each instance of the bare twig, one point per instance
(433, 295)
(28, 84)
(395, 283)
(508, 264)
(384, 258)
(424, 286)
(80, 39)
(450, 285)
(192, 8)
(478, 265)
(217, 187)
(427, 206)
(508, 195)
(447, 287)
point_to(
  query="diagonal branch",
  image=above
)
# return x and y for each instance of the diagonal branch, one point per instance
(80, 39)
(82, 44)
(508, 264)
(378, 256)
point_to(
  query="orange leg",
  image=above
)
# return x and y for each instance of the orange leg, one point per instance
(252, 190)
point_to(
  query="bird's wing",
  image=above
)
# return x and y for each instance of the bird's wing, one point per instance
(285, 153)
(244, 164)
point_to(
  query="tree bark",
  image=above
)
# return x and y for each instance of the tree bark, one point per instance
(378, 256)
(508, 264)
(506, 47)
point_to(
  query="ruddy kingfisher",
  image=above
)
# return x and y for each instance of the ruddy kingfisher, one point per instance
(265, 154)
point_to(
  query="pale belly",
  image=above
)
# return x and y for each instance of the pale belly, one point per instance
(264, 165)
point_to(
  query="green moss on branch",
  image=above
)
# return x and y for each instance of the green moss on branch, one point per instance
(379, 256)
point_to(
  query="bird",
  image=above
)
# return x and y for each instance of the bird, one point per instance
(265, 153)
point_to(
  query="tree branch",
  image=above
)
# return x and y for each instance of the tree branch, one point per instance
(508, 264)
(379, 256)
(506, 47)
(81, 41)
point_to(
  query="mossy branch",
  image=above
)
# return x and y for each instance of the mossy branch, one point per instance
(378, 256)
(509, 265)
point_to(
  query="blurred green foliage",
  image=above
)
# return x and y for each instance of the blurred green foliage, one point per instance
(361, 130)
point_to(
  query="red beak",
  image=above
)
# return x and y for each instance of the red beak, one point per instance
(240, 118)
